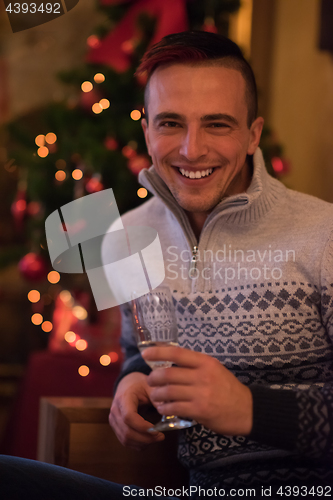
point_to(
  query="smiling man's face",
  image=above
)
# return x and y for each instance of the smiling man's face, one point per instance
(197, 133)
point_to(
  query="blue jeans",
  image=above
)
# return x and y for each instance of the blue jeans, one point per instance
(22, 479)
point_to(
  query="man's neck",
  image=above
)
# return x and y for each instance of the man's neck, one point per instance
(241, 185)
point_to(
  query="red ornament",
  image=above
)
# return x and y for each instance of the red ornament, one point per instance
(94, 184)
(19, 207)
(33, 267)
(281, 166)
(137, 163)
(111, 144)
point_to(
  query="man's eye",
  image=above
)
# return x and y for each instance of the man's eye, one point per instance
(219, 125)
(168, 124)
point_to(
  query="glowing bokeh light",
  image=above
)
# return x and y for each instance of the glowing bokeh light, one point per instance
(81, 345)
(53, 277)
(105, 360)
(87, 86)
(47, 326)
(114, 357)
(135, 114)
(66, 297)
(40, 140)
(70, 337)
(43, 152)
(77, 174)
(80, 312)
(83, 370)
(34, 296)
(37, 319)
(50, 138)
(142, 192)
(99, 78)
(20, 205)
(97, 108)
(60, 175)
(92, 41)
(105, 103)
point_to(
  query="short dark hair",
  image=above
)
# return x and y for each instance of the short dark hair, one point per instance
(199, 47)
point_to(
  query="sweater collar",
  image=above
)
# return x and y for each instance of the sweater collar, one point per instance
(260, 197)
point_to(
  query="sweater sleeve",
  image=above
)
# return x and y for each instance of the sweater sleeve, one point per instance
(133, 359)
(300, 419)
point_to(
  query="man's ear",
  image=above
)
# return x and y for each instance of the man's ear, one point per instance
(255, 134)
(144, 126)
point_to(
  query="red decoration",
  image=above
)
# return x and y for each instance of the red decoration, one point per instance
(281, 166)
(171, 18)
(94, 184)
(19, 207)
(137, 163)
(111, 144)
(128, 152)
(33, 267)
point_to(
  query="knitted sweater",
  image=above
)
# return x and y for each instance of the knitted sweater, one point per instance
(256, 292)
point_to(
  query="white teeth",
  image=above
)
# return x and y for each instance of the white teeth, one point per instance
(195, 175)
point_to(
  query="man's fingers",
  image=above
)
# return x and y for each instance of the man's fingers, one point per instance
(171, 393)
(173, 375)
(131, 429)
(178, 355)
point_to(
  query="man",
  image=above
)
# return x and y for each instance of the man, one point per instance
(249, 263)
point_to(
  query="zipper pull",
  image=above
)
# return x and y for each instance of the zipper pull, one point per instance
(192, 272)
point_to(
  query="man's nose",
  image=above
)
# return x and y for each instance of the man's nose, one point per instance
(193, 144)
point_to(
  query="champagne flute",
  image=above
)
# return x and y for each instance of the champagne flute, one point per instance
(155, 325)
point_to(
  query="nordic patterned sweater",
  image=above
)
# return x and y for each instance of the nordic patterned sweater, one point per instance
(260, 300)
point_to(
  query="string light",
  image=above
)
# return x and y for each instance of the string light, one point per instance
(43, 152)
(142, 192)
(135, 114)
(83, 370)
(66, 297)
(40, 140)
(34, 296)
(97, 108)
(81, 345)
(60, 175)
(80, 312)
(105, 103)
(50, 138)
(77, 174)
(99, 78)
(105, 360)
(53, 277)
(70, 337)
(47, 326)
(37, 319)
(87, 86)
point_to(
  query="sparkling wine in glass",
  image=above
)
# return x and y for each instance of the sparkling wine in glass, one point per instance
(155, 326)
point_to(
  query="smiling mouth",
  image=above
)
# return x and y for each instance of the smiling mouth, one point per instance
(199, 174)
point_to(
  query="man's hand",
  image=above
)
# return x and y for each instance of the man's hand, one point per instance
(200, 388)
(130, 428)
